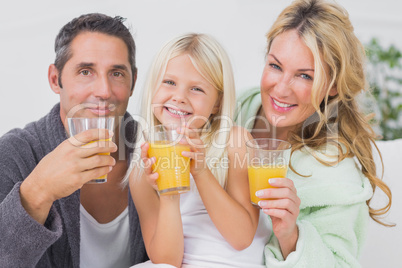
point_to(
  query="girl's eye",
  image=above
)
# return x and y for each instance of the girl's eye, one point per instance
(273, 65)
(306, 76)
(197, 89)
(169, 82)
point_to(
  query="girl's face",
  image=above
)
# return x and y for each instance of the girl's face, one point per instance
(287, 80)
(184, 95)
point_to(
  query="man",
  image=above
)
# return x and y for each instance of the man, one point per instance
(49, 216)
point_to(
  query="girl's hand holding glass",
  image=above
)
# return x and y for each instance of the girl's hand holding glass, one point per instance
(148, 162)
(197, 147)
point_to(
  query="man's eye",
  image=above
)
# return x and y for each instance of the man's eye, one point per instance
(117, 74)
(85, 72)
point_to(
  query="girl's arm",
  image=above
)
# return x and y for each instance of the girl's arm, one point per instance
(231, 211)
(160, 217)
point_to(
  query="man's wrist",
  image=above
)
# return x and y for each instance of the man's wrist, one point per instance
(35, 201)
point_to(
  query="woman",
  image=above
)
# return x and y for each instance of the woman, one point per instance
(313, 73)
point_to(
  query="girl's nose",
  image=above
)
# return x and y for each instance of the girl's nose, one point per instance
(179, 96)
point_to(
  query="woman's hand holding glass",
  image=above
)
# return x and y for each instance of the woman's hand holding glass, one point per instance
(283, 208)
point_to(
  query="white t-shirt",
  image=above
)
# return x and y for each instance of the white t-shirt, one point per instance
(104, 245)
(203, 244)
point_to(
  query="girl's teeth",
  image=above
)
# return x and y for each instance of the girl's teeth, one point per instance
(282, 105)
(177, 112)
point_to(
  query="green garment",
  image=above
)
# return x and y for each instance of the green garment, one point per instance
(249, 104)
(333, 216)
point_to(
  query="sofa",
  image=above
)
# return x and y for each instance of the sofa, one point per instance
(383, 244)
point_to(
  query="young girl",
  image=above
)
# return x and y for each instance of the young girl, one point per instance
(214, 224)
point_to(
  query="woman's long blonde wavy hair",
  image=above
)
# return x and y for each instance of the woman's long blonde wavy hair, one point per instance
(326, 29)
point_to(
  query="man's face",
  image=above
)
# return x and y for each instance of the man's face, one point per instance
(97, 78)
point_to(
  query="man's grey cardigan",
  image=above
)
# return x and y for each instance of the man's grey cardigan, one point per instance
(23, 241)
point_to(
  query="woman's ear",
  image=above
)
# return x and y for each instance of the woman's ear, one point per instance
(53, 77)
(333, 91)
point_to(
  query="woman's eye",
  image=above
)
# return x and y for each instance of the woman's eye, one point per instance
(169, 82)
(273, 65)
(306, 76)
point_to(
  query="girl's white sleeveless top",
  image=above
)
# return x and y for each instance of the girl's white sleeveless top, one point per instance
(205, 246)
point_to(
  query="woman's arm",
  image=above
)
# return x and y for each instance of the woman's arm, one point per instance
(160, 217)
(329, 236)
(230, 210)
(333, 218)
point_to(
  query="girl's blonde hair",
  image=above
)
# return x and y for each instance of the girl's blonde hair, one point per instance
(212, 62)
(326, 29)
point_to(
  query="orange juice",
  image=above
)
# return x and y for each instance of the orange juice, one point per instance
(172, 167)
(258, 176)
(104, 177)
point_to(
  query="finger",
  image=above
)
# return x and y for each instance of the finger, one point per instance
(92, 174)
(193, 140)
(96, 161)
(90, 135)
(189, 133)
(152, 180)
(144, 150)
(283, 183)
(98, 147)
(284, 204)
(148, 162)
(277, 193)
(278, 213)
(191, 155)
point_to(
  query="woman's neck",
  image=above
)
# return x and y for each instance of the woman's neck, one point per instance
(263, 129)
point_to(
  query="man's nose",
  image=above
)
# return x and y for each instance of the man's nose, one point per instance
(102, 88)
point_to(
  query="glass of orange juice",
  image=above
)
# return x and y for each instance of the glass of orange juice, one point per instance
(80, 124)
(267, 158)
(173, 168)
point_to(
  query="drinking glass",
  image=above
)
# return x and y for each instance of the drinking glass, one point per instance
(172, 167)
(79, 124)
(267, 158)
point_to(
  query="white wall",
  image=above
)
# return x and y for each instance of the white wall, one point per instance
(28, 29)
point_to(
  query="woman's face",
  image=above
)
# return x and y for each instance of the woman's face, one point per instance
(287, 81)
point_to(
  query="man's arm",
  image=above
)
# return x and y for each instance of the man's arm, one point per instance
(29, 223)
(65, 170)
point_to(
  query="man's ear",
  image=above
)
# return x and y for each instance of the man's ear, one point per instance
(53, 77)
